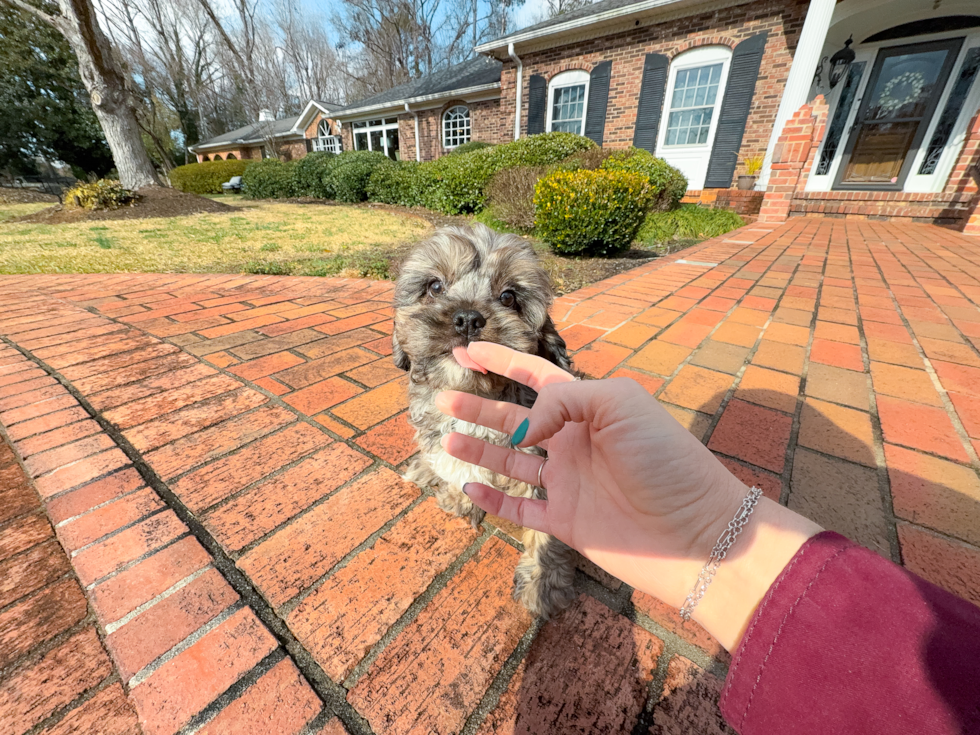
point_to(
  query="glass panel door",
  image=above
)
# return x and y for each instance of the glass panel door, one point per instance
(905, 85)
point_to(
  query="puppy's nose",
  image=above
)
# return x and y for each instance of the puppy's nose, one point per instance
(468, 323)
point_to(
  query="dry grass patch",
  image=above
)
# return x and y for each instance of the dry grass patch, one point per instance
(260, 237)
(9, 210)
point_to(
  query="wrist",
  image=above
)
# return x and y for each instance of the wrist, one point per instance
(772, 537)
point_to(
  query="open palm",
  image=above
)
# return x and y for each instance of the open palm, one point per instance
(624, 479)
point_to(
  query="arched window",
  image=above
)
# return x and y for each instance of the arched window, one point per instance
(325, 140)
(456, 126)
(205, 158)
(567, 95)
(231, 157)
(217, 157)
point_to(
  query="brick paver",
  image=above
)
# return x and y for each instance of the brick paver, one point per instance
(221, 455)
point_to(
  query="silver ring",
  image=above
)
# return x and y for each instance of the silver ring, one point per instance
(540, 469)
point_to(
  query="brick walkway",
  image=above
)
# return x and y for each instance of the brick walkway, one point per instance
(220, 458)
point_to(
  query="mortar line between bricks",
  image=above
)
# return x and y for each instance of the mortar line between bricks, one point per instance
(148, 670)
(491, 697)
(115, 532)
(411, 613)
(948, 407)
(794, 432)
(233, 692)
(877, 432)
(89, 620)
(332, 695)
(111, 628)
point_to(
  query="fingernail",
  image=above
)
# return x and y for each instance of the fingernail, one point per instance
(520, 433)
(466, 488)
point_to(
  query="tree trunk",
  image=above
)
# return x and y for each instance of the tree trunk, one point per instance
(106, 85)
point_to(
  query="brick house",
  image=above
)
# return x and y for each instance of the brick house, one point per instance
(428, 117)
(288, 138)
(856, 108)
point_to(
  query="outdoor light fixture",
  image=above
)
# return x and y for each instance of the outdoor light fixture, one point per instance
(840, 62)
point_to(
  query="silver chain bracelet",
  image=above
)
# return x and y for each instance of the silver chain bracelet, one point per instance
(720, 551)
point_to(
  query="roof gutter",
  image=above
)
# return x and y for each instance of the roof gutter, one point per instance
(520, 90)
(241, 141)
(418, 150)
(571, 25)
(397, 105)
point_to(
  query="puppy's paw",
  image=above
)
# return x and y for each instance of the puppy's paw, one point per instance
(543, 593)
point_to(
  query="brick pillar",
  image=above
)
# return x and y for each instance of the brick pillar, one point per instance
(790, 158)
(968, 167)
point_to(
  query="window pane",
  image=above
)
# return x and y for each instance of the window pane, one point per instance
(360, 142)
(954, 105)
(567, 109)
(456, 126)
(692, 105)
(376, 144)
(391, 135)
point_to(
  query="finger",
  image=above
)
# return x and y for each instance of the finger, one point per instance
(524, 512)
(498, 415)
(531, 370)
(596, 402)
(508, 462)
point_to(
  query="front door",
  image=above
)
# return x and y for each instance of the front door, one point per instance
(899, 100)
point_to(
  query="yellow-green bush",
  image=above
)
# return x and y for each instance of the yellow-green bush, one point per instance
(669, 182)
(101, 194)
(590, 212)
(207, 177)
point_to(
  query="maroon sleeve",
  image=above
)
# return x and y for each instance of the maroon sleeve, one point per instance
(848, 642)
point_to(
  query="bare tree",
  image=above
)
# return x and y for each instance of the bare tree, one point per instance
(105, 82)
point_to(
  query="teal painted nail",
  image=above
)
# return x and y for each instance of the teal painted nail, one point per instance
(519, 434)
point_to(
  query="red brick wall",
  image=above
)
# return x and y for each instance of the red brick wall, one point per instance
(783, 19)
(486, 124)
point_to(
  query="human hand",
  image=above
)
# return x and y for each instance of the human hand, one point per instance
(628, 486)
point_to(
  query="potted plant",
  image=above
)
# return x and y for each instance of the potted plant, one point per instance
(746, 181)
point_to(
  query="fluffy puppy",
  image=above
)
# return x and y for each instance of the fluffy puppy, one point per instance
(473, 284)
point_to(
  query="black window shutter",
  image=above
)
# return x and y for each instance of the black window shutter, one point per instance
(537, 98)
(742, 75)
(648, 109)
(595, 114)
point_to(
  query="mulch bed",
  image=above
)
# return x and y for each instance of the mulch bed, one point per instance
(10, 195)
(154, 201)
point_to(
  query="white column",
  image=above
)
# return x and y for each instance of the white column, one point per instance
(809, 51)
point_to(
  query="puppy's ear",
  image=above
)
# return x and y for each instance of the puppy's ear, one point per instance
(551, 346)
(401, 359)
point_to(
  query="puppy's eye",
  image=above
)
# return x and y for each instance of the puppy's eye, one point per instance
(508, 299)
(436, 288)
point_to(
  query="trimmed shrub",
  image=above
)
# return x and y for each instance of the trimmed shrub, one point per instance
(101, 194)
(587, 160)
(473, 145)
(670, 183)
(510, 196)
(206, 177)
(458, 184)
(269, 179)
(351, 172)
(400, 182)
(591, 212)
(689, 221)
(314, 175)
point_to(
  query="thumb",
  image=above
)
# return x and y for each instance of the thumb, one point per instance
(596, 402)
(524, 512)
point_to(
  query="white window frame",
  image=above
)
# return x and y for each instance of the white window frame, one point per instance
(693, 59)
(693, 159)
(382, 125)
(574, 78)
(325, 140)
(461, 138)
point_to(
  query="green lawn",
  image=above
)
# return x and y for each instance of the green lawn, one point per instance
(260, 237)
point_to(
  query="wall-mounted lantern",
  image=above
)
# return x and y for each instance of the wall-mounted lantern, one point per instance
(840, 62)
